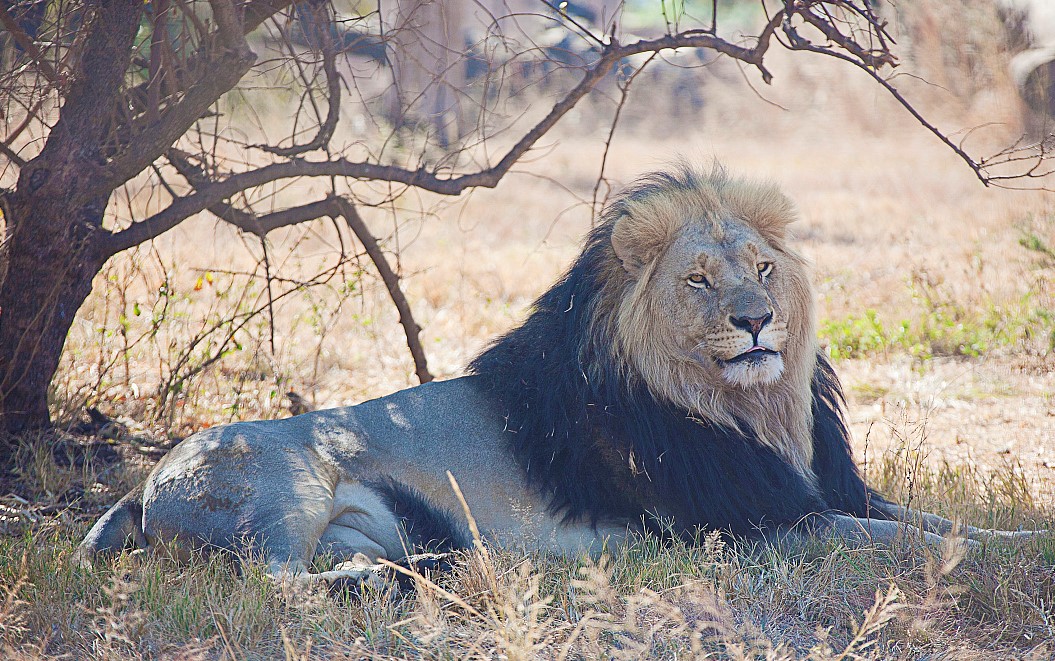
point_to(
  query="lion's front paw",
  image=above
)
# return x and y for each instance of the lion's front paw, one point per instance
(360, 572)
(354, 575)
(1013, 535)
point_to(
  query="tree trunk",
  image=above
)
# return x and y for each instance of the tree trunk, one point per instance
(426, 44)
(51, 264)
(54, 218)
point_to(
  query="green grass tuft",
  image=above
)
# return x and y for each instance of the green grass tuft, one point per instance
(942, 328)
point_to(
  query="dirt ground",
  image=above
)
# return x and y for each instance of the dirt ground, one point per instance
(984, 414)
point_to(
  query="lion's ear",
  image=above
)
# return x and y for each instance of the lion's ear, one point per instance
(622, 243)
(635, 243)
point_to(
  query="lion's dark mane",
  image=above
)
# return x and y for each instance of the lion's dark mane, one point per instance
(594, 440)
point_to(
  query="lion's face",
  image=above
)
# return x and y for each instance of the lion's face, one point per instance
(710, 307)
(715, 296)
(723, 286)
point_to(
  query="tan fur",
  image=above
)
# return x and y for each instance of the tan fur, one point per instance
(646, 228)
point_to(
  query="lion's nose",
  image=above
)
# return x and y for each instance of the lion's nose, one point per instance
(753, 325)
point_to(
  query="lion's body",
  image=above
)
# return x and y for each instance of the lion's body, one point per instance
(671, 380)
(344, 476)
(372, 479)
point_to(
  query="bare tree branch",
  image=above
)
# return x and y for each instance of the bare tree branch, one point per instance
(624, 93)
(406, 318)
(204, 197)
(31, 114)
(26, 43)
(156, 70)
(875, 58)
(333, 111)
(335, 207)
(584, 31)
(218, 73)
(261, 226)
(799, 42)
(269, 222)
(228, 25)
(188, 12)
(11, 155)
(147, 140)
(248, 222)
(255, 12)
(85, 123)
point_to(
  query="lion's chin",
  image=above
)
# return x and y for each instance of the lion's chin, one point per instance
(753, 370)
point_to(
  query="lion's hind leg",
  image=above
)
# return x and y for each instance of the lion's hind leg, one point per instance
(380, 526)
(119, 528)
(356, 530)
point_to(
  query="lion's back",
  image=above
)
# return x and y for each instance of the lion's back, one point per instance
(432, 417)
(412, 437)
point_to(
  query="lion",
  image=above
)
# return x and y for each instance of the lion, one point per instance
(670, 382)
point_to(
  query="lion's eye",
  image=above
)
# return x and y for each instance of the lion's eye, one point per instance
(764, 269)
(699, 281)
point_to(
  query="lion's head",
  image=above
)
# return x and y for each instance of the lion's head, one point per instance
(709, 305)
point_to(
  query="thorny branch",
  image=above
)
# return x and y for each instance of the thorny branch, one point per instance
(870, 61)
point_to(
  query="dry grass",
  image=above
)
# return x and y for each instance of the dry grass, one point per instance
(940, 316)
(651, 599)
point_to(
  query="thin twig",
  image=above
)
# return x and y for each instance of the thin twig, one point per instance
(624, 90)
(333, 111)
(269, 281)
(585, 31)
(976, 167)
(157, 69)
(31, 114)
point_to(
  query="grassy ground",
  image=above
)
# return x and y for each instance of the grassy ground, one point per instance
(936, 298)
(821, 600)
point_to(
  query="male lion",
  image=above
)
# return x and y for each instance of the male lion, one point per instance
(670, 381)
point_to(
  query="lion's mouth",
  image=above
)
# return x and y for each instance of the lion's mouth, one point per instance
(755, 354)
